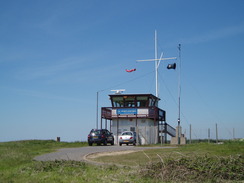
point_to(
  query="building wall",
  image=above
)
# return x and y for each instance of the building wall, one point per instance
(147, 129)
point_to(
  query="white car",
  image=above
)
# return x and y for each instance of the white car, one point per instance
(127, 137)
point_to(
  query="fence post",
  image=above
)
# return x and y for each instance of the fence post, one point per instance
(209, 135)
(216, 133)
(190, 133)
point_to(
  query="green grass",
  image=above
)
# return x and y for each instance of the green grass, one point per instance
(13, 154)
(204, 162)
(155, 155)
(17, 165)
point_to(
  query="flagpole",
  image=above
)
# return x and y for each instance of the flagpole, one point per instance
(157, 63)
(179, 92)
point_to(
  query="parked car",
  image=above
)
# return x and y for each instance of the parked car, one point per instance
(100, 136)
(127, 137)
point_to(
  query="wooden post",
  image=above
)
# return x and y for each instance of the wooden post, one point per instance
(216, 133)
(209, 135)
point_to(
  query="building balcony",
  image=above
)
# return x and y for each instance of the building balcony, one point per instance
(136, 112)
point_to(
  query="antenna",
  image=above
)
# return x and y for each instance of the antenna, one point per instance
(119, 91)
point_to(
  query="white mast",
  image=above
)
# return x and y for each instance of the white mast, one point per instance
(157, 62)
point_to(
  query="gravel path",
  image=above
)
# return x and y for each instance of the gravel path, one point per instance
(79, 154)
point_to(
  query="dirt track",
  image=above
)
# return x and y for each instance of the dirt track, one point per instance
(81, 154)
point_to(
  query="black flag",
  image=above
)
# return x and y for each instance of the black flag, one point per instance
(171, 66)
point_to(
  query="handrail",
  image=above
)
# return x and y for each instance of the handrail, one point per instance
(169, 130)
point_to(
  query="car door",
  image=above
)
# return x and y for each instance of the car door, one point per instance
(109, 136)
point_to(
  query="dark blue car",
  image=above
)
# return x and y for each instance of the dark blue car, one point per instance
(100, 136)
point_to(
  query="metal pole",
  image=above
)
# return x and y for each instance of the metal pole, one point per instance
(179, 92)
(216, 133)
(161, 132)
(101, 122)
(137, 132)
(97, 112)
(110, 125)
(190, 133)
(179, 132)
(156, 72)
(209, 135)
(117, 129)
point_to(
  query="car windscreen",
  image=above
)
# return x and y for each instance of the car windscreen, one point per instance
(127, 133)
(96, 132)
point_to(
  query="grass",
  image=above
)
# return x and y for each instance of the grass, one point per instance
(16, 153)
(204, 162)
(190, 150)
(202, 169)
(17, 165)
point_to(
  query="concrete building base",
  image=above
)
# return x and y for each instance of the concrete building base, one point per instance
(174, 140)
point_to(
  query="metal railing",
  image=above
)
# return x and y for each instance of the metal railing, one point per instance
(166, 128)
(150, 112)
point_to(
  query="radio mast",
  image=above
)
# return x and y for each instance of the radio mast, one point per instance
(157, 63)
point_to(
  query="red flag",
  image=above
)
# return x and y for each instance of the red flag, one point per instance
(131, 70)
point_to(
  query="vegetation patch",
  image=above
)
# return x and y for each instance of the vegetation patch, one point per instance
(204, 162)
(200, 168)
(48, 166)
(190, 163)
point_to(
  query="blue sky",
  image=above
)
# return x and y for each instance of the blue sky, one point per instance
(55, 55)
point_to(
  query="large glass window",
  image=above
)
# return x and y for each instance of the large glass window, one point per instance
(129, 101)
(152, 102)
(118, 102)
(142, 101)
(134, 101)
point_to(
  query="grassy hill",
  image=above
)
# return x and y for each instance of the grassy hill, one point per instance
(202, 162)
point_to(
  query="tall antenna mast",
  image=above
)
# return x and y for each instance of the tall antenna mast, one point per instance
(179, 92)
(157, 62)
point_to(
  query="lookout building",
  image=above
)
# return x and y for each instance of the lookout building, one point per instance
(139, 113)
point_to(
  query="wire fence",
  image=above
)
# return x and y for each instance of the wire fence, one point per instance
(216, 133)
